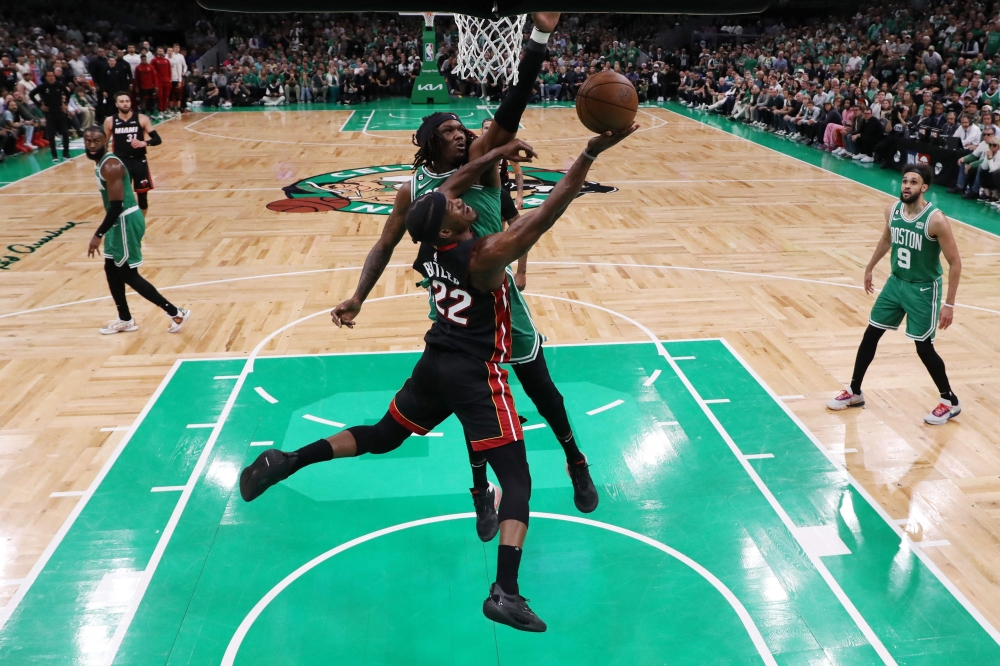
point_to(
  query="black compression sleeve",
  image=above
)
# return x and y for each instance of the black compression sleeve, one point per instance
(115, 209)
(154, 139)
(508, 116)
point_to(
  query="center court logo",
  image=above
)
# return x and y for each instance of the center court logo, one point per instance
(372, 190)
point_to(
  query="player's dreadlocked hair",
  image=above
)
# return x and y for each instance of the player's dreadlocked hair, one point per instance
(431, 148)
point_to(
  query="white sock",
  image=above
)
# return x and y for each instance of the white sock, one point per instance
(539, 36)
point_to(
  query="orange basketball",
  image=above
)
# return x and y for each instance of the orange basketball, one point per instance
(607, 101)
(307, 204)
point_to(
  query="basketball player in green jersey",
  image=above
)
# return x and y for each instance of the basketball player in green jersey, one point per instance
(445, 145)
(122, 231)
(916, 234)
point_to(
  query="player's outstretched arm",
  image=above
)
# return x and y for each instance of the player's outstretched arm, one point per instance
(493, 253)
(508, 116)
(939, 227)
(472, 172)
(884, 245)
(377, 259)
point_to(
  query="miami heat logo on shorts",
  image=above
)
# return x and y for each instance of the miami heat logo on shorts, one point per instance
(372, 190)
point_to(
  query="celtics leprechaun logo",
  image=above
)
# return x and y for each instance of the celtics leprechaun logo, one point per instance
(372, 190)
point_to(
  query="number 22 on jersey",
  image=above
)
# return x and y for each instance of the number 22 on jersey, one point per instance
(460, 298)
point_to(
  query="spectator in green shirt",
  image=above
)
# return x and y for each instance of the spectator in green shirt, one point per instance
(614, 55)
(551, 89)
(632, 54)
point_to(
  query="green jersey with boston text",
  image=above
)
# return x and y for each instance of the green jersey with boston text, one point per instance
(916, 255)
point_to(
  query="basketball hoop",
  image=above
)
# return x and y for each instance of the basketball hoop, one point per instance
(489, 48)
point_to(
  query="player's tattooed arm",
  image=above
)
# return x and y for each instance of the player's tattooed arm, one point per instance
(883, 247)
(376, 261)
(472, 172)
(492, 254)
(939, 227)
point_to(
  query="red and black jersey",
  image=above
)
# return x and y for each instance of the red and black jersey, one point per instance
(468, 320)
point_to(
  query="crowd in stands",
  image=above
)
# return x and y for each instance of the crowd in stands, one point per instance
(859, 86)
(852, 85)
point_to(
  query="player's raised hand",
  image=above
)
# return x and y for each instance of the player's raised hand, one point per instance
(344, 314)
(517, 151)
(602, 142)
(545, 21)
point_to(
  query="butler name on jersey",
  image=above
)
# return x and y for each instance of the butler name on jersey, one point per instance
(470, 321)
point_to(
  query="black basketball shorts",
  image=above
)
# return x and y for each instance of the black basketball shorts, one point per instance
(138, 171)
(446, 382)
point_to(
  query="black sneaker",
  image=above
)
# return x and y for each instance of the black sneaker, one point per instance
(268, 469)
(486, 502)
(584, 492)
(512, 610)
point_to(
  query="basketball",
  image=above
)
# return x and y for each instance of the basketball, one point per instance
(607, 101)
(307, 204)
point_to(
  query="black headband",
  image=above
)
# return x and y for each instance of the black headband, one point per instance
(423, 220)
(430, 123)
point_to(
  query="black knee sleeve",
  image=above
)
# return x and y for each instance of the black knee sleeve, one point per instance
(143, 201)
(508, 116)
(510, 464)
(541, 390)
(383, 437)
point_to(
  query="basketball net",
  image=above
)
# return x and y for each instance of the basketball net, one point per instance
(488, 49)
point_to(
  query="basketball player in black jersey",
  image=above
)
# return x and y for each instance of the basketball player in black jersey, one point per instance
(509, 210)
(126, 130)
(445, 144)
(459, 371)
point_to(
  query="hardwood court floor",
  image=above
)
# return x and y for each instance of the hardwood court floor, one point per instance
(707, 236)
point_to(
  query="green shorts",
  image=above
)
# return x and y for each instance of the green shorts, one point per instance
(526, 340)
(123, 242)
(919, 302)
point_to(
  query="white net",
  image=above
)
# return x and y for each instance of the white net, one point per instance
(488, 49)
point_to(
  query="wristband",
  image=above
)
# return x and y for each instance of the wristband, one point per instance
(588, 155)
(539, 36)
(947, 305)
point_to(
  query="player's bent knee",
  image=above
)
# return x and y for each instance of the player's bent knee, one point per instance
(925, 349)
(510, 464)
(383, 437)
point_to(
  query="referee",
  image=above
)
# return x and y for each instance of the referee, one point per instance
(51, 97)
(509, 211)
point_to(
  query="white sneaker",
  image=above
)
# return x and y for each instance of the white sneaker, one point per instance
(119, 326)
(659, 99)
(858, 156)
(943, 413)
(846, 399)
(175, 325)
(867, 159)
